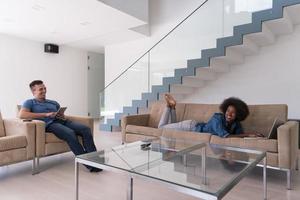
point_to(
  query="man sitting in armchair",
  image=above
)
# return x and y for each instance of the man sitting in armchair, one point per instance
(44, 109)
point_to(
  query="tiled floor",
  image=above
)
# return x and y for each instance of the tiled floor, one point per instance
(56, 181)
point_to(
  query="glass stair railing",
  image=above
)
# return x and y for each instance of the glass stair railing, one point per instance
(171, 65)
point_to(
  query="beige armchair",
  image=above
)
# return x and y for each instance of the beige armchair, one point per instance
(17, 141)
(48, 144)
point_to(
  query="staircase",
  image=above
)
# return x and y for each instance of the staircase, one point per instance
(246, 40)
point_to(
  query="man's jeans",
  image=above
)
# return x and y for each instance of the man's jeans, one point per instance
(68, 131)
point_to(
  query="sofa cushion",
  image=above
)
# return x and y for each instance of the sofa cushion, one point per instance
(143, 130)
(157, 109)
(12, 142)
(2, 130)
(186, 135)
(269, 145)
(51, 138)
(262, 117)
(200, 112)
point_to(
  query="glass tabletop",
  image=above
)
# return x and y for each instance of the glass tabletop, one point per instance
(133, 156)
(191, 164)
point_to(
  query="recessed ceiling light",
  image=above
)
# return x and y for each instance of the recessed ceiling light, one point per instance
(38, 7)
(85, 23)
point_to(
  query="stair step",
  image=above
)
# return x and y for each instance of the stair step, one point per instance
(114, 122)
(213, 52)
(183, 72)
(120, 115)
(232, 57)
(180, 89)
(294, 13)
(172, 80)
(192, 81)
(219, 66)
(198, 62)
(130, 110)
(266, 37)
(247, 48)
(281, 26)
(150, 96)
(205, 73)
(139, 103)
(105, 127)
(160, 88)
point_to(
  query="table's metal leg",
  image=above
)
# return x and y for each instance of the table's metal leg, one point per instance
(148, 165)
(130, 189)
(204, 181)
(76, 179)
(265, 177)
(37, 164)
(33, 166)
(288, 178)
(184, 160)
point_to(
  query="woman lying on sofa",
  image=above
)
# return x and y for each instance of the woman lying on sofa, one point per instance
(224, 124)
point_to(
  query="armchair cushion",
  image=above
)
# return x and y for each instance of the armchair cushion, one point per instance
(16, 127)
(51, 138)
(48, 144)
(12, 142)
(269, 145)
(88, 121)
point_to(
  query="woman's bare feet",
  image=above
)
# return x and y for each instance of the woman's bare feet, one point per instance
(170, 101)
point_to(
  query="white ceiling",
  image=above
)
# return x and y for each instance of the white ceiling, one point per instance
(85, 24)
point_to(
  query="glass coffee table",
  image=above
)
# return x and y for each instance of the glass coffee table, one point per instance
(196, 168)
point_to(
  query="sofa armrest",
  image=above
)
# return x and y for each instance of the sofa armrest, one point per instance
(88, 121)
(15, 127)
(40, 137)
(287, 135)
(138, 120)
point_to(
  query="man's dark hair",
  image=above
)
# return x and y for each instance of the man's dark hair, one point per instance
(34, 83)
(242, 110)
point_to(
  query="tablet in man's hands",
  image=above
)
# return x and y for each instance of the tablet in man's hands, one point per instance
(61, 111)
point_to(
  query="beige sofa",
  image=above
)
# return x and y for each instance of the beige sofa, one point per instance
(281, 152)
(17, 141)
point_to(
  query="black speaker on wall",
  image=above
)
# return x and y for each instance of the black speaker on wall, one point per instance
(51, 48)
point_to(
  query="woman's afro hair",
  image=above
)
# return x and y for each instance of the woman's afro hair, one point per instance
(242, 110)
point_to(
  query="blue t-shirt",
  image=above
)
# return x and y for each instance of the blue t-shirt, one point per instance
(46, 106)
(217, 126)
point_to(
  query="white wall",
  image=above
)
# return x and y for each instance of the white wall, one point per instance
(65, 74)
(273, 76)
